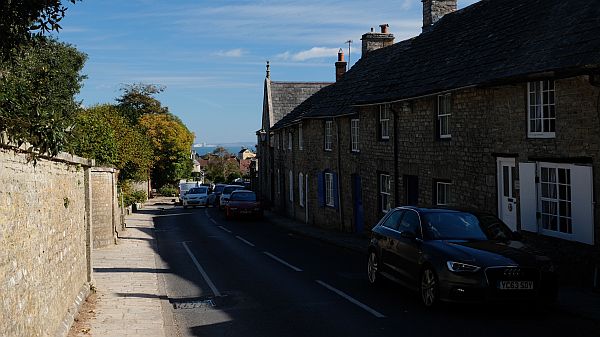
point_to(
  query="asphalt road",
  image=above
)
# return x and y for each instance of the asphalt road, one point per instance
(251, 278)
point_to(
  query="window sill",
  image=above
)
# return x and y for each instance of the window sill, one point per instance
(548, 135)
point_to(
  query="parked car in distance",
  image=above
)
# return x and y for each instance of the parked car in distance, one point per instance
(184, 187)
(197, 196)
(215, 197)
(226, 193)
(243, 202)
(451, 255)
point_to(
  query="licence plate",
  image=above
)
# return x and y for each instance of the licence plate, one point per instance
(515, 285)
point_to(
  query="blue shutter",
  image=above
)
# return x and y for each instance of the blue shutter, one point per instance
(336, 199)
(321, 189)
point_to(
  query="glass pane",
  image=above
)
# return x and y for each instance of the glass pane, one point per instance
(545, 221)
(562, 176)
(506, 181)
(552, 127)
(546, 125)
(552, 175)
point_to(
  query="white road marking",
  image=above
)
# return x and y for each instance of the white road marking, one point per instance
(225, 229)
(282, 261)
(352, 300)
(201, 270)
(213, 221)
(245, 241)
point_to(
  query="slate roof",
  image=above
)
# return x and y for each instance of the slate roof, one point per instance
(489, 42)
(288, 95)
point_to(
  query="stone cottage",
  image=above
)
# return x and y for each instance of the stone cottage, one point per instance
(495, 107)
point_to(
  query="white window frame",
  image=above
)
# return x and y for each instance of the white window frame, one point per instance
(291, 186)
(444, 112)
(328, 135)
(445, 187)
(301, 189)
(329, 197)
(290, 140)
(541, 109)
(354, 134)
(300, 137)
(384, 121)
(562, 194)
(385, 192)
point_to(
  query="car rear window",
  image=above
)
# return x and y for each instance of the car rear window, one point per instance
(229, 189)
(243, 196)
(219, 188)
(464, 226)
(198, 190)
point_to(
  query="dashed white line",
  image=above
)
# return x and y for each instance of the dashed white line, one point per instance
(282, 261)
(352, 300)
(245, 241)
(213, 221)
(201, 270)
(225, 229)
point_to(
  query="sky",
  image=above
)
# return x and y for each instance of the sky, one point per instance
(211, 55)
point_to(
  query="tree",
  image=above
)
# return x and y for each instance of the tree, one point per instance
(222, 166)
(22, 20)
(172, 143)
(138, 100)
(102, 129)
(37, 94)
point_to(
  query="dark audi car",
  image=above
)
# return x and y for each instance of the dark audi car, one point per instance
(450, 255)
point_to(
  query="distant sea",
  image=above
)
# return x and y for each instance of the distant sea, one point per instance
(233, 149)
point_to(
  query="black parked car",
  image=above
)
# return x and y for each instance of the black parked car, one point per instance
(452, 255)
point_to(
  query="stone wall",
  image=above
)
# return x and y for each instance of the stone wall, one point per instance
(44, 240)
(105, 210)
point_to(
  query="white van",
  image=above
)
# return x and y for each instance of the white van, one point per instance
(184, 187)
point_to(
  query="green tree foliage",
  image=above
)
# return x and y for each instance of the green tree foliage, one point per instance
(139, 99)
(102, 129)
(21, 20)
(94, 137)
(172, 142)
(37, 94)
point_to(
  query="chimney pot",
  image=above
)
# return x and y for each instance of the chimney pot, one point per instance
(384, 28)
(340, 55)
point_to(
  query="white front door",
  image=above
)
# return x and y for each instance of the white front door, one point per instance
(507, 203)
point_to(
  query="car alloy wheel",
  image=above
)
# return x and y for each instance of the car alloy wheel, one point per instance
(429, 287)
(372, 268)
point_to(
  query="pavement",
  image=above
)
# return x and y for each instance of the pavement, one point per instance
(132, 299)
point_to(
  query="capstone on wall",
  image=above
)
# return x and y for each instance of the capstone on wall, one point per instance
(44, 243)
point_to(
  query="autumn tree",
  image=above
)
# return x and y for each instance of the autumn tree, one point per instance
(172, 142)
(37, 94)
(222, 166)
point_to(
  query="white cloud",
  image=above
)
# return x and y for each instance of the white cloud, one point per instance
(315, 52)
(231, 53)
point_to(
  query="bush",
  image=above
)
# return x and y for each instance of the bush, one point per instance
(134, 197)
(167, 191)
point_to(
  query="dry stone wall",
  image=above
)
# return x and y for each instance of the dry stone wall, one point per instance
(44, 241)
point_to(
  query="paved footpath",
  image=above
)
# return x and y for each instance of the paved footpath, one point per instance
(128, 282)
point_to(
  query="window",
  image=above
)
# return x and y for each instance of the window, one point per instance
(541, 109)
(442, 195)
(354, 134)
(329, 190)
(289, 141)
(393, 220)
(328, 135)
(384, 121)
(291, 186)
(555, 199)
(278, 182)
(410, 223)
(301, 189)
(300, 138)
(385, 192)
(443, 115)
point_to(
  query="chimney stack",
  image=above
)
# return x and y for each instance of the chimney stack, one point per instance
(340, 66)
(434, 10)
(373, 41)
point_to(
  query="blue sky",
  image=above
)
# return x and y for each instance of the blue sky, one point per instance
(211, 55)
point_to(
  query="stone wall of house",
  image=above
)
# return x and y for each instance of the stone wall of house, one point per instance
(45, 240)
(105, 209)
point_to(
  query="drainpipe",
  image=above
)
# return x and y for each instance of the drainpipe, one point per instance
(396, 160)
(305, 182)
(339, 187)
